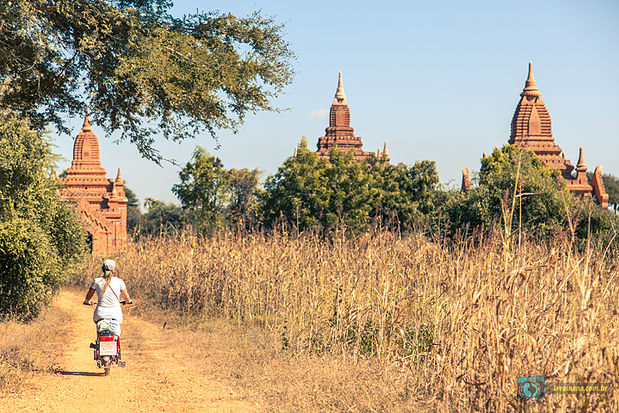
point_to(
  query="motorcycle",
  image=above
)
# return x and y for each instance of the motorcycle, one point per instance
(107, 346)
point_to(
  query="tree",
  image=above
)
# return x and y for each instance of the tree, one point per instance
(137, 66)
(40, 235)
(215, 196)
(597, 225)
(134, 215)
(297, 193)
(308, 191)
(611, 184)
(162, 218)
(406, 194)
(351, 194)
(244, 196)
(204, 188)
(515, 191)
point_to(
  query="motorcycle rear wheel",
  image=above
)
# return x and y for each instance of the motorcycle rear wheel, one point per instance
(106, 365)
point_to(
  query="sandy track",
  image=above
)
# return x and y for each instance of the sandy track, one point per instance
(157, 377)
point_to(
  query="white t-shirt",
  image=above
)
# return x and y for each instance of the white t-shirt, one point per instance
(108, 304)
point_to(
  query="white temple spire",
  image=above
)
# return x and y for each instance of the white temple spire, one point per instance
(340, 96)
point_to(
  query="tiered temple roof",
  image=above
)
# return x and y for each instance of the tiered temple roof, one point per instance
(101, 201)
(532, 130)
(340, 134)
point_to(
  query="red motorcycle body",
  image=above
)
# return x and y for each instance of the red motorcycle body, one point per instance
(107, 351)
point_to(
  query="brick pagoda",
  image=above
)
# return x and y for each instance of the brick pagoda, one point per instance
(340, 134)
(101, 202)
(531, 130)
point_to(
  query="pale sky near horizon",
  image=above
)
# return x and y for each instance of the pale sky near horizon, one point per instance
(437, 80)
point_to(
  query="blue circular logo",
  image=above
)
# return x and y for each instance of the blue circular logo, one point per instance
(530, 389)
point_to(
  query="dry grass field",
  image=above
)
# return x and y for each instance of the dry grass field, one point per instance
(25, 348)
(386, 322)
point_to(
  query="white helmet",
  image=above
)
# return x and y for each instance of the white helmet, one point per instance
(109, 265)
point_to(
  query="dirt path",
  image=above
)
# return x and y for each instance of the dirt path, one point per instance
(157, 377)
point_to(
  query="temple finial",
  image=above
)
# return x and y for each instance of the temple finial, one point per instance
(530, 86)
(119, 177)
(86, 119)
(340, 96)
(581, 165)
(385, 151)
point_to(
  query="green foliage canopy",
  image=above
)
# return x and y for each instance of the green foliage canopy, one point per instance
(133, 209)
(516, 191)
(161, 218)
(308, 191)
(297, 192)
(138, 66)
(29, 268)
(513, 185)
(214, 195)
(40, 235)
(406, 194)
(611, 183)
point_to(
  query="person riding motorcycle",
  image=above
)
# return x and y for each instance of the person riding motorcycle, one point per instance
(110, 292)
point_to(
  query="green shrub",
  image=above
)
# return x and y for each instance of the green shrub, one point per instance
(29, 268)
(40, 234)
(515, 191)
(596, 224)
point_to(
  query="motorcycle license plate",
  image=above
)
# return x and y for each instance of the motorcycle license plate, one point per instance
(107, 348)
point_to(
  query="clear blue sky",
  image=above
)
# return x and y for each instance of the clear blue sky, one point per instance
(438, 80)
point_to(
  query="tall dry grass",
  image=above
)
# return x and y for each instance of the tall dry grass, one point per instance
(30, 348)
(462, 320)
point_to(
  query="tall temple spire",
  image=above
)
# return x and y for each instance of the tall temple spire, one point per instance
(532, 130)
(339, 115)
(532, 127)
(340, 134)
(101, 201)
(86, 148)
(340, 96)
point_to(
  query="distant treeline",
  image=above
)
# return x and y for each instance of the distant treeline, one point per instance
(514, 192)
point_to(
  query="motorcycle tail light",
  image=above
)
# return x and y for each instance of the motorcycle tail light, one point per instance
(106, 338)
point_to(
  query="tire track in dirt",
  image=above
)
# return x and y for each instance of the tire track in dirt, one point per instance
(157, 377)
